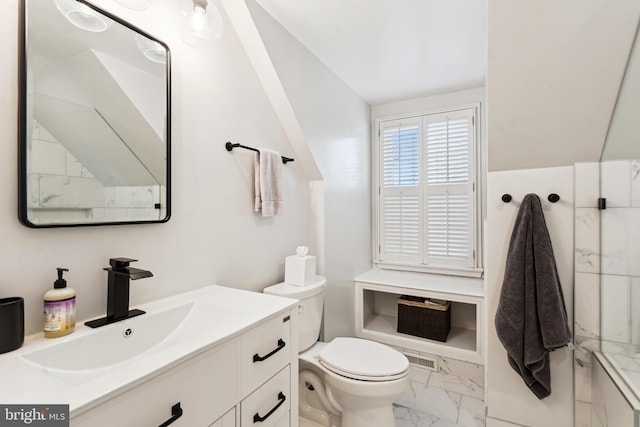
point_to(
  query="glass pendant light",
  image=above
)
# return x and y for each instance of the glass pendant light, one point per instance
(134, 4)
(82, 16)
(152, 50)
(202, 22)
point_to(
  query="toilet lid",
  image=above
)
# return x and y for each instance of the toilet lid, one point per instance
(363, 360)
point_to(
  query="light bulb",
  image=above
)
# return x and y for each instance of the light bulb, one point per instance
(199, 19)
(202, 22)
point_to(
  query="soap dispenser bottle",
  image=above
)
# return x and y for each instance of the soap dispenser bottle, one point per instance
(59, 308)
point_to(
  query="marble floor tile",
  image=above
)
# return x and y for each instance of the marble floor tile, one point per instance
(472, 412)
(455, 384)
(407, 417)
(431, 400)
(419, 375)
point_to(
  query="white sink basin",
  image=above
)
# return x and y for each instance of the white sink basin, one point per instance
(111, 344)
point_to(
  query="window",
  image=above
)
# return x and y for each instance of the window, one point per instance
(426, 204)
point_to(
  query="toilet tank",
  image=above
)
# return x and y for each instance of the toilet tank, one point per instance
(311, 302)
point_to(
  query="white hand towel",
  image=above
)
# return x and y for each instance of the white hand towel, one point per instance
(268, 181)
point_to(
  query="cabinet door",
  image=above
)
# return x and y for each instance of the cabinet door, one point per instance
(205, 387)
(269, 405)
(265, 350)
(227, 420)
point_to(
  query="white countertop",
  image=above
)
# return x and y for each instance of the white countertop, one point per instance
(25, 383)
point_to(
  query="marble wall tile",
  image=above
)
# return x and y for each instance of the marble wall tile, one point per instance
(140, 197)
(615, 183)
(614, 242)
(33, 186)
(635, 310)
(44, 135)
(493, 422)
(615, 294)
(75, 168)
(587, 240)
(47, 158)
(116, 214)
(143, 213)
(610, 406)
(62, 191)
(595, 421)
(583, 414)
(587, 185)
(635, 183)
(633, 241)
(624, 362)
(583, 362)
(587, 305)
(458, 368)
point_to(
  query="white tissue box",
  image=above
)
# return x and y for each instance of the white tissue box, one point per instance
(299, 270)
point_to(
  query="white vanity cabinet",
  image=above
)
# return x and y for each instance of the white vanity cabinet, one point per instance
(247, 380)
(227, 420)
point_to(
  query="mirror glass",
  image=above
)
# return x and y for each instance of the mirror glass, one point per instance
(624, 128)
(95, 119)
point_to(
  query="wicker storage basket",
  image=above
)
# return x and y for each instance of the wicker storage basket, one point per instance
(423, 318)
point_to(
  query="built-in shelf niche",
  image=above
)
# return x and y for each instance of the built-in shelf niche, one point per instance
(377, 319)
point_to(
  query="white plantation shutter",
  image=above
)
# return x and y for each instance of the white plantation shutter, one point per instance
(426, 203)
(449, 203)
(400, 207)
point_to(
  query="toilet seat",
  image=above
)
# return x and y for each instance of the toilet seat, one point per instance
(364, 360)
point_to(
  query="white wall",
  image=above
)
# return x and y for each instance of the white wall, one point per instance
(553, 73)
(213, 236)
(335, 122)
(508, 398)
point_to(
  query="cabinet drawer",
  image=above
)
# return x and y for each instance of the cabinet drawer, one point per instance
(269, 405)
(265, 350)
(205, 386)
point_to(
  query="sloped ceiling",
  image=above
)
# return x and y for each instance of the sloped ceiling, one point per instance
(392, 50)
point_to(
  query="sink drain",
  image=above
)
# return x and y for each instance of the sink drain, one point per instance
(127, 332)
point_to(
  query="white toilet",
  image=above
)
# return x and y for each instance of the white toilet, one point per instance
(347, 382)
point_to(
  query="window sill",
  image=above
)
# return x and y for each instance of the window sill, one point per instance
(448, 270)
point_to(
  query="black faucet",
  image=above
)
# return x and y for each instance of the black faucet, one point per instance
(118, 292)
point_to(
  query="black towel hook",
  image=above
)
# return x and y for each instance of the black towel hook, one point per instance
(506, 198)
(553, 198)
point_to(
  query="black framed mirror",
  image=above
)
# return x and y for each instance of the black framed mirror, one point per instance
(95, 121)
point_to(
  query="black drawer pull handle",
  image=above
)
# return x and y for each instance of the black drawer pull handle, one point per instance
(176, 412)
(281, 398)
(258, 358)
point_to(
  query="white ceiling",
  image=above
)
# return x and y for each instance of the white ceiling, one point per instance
(388, 50)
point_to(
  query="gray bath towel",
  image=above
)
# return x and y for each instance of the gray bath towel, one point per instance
(531, 319)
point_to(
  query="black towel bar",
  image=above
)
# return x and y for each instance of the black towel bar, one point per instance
(230, 146)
